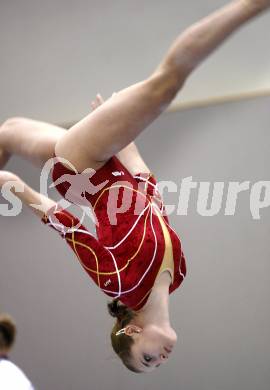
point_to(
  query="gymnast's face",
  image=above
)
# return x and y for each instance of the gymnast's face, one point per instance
(152, 347)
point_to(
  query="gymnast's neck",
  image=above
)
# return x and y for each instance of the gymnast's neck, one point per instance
(156, 309)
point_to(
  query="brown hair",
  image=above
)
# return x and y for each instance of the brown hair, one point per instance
(7, 332)
(122, 343)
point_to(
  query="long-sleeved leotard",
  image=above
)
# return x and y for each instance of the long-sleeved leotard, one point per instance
(130, 248)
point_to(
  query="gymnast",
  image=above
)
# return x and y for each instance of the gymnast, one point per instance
(139, 260)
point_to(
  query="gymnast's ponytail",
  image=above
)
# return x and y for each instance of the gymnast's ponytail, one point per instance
(121, 343)
(7, 333)
(120, 311)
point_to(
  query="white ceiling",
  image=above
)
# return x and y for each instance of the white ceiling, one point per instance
(56, 54)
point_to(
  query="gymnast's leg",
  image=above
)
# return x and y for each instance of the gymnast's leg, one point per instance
(123, 117)
(33, 140)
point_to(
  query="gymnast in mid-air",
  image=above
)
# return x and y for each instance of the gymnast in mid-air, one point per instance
(137, 258)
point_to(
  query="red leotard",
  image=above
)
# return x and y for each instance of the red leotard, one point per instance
(125, 259)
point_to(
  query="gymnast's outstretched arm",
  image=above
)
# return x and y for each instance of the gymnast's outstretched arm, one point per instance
(37, 202)
(60, 220)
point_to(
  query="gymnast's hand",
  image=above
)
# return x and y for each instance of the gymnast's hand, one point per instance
(37, 202)
(99, 101)
(6, 177)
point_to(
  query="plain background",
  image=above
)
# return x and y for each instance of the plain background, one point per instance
(55, 56)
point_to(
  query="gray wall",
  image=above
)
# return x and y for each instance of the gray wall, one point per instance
(222, 310)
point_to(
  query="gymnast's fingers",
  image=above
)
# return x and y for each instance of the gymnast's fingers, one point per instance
(99, 99)
(93, 105)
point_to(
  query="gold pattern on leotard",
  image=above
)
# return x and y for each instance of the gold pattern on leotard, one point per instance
(97, 272)
(148, 292)
(121, 186)
(167, 260)
(74, 242)
(90, 249)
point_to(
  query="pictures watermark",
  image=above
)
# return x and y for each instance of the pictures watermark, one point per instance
(125, 196)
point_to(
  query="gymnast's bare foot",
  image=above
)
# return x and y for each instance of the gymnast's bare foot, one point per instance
(257, 5)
